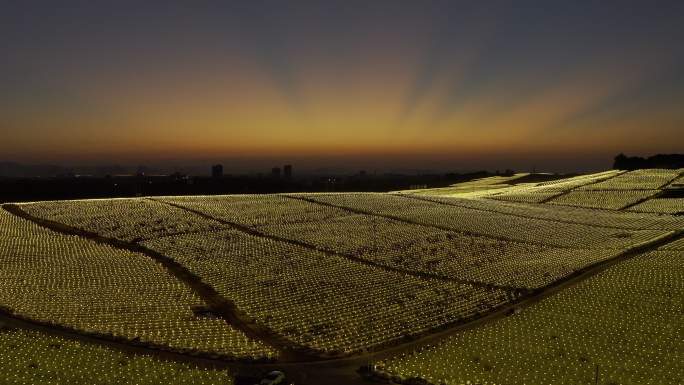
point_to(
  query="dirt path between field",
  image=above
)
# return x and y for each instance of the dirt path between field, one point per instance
(337, 371)
(521, 302)
(492, 210)
(654, 196)
(584, 185)
(308, 371)
(411, 222)
(447, 228)
(295, 242)
(217, 304)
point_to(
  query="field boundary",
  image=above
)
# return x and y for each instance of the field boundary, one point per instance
(547, 200)
(524, 297)
(508, 308)
(15, 321)
(319, 365)
(669, 182)
(654, 196)
(410, 222)
(456, 204)
(539, 295)
(417, 274)
(218, 305)
(446, 228)
(642, 200)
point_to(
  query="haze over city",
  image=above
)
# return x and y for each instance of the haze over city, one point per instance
(560, 86)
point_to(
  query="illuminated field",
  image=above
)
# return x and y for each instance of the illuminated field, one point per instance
(308, 277)
(37, 358)
(624, 323)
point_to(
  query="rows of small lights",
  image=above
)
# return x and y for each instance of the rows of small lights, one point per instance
(256, 210)
(524, 195)
(493, 259)
(358, 234)
(609, 199)
(624, 324)
(614, 193)
(661, 205)
(30, 357)
(674, 245)
(416, 248)
(540, 269)
(637, 179)
(677, 182)
(518, 192)
(97, 289)
(492, 224)
(569, 214)
(131, 219)
(545, 191)
(567, 184)
(324, 302)
(469, 188)
(424, 249)
(538, 192)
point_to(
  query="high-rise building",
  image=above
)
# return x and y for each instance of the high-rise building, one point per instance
(217, 171)
(287, 171)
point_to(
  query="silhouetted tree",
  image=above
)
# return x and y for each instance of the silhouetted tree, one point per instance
(623, 162)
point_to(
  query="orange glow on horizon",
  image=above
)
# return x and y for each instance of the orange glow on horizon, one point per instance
(408, 84)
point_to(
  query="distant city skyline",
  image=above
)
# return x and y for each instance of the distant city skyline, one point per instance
(386, 85)
(330, 165)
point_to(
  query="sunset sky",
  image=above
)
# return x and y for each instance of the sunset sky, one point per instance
(560, 85)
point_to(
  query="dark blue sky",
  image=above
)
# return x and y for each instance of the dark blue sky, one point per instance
(408, 83)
